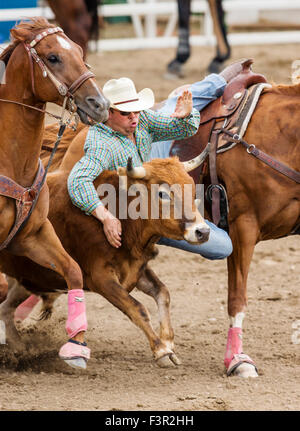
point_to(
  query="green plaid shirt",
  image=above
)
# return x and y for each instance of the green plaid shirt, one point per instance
(107, 149)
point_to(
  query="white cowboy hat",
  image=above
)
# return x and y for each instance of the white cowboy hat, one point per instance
(123, 96)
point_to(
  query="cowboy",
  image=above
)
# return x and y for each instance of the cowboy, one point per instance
(130, 130)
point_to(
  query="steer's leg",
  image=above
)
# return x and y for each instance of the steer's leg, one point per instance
(112, 290)
(244, 235)
(45, 248)
(151, 285)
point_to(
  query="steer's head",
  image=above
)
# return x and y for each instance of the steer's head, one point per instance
(163, 194)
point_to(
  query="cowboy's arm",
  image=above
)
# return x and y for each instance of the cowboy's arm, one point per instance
(80, 182)
(82, 191)
(183, 122)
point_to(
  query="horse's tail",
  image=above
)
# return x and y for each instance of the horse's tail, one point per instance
(92, 7)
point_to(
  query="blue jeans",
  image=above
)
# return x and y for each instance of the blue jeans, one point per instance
(219, 244)
(204, 92)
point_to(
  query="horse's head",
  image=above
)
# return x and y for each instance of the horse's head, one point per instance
(57, 70)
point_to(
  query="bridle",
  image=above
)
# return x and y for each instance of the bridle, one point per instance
(62, 88)
(33, 56)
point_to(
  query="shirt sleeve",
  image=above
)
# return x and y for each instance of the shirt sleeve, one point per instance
(163, 127)
(80, 182)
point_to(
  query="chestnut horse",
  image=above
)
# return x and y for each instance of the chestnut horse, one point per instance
(263, 203)
(184, 50)
(78, 18)
(42, 65)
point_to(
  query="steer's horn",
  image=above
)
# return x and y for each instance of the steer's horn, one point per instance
(197, 161)
(137, 172)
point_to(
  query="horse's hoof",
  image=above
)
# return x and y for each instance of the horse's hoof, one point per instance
(245, 370)
(75, 354)
(241, 365)
(76, 363)
(171, 76)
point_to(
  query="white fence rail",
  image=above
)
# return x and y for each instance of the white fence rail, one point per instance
(146, 35)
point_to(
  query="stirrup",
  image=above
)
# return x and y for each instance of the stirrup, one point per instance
(224, 207)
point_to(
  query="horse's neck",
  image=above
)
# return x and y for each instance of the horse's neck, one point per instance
(21, 129)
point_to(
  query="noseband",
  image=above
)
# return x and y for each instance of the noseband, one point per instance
(33, 56)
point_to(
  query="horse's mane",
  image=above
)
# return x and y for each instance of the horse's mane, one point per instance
(33, 26)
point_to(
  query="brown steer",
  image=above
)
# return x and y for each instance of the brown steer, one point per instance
(112, 272)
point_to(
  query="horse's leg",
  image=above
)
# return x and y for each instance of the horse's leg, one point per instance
(45, 248)
(3, 287)
(223, 48)
(24, 309)
(183, 50)
(15, 296)
(243, 233)
(151, 285)
(117, 295)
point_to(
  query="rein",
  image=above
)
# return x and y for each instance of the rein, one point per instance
(26, 198)
(31, 107)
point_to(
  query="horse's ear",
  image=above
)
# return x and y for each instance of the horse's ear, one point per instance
(21, 34)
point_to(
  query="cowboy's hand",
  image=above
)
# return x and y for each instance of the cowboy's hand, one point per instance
(111, 225)
(184, 105)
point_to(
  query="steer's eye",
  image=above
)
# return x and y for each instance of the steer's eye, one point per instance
(163, 195)
(52, 58)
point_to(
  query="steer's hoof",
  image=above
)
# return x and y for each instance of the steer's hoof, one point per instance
(168, 360)
(242, 365)
(75, 354)
(175, 359)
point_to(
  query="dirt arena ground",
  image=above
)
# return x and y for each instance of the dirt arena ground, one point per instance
(121, 374)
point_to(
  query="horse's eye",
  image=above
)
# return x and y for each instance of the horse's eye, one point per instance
(52, 58)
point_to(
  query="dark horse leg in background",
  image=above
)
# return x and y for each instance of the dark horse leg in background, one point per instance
(223, 48)
(183, 50)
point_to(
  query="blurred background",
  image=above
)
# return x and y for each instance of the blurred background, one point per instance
(139, 38)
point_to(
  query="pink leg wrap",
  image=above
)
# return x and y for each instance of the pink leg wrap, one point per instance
(234, 355)
(234, 344)
(25, 308)
(76, 313)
